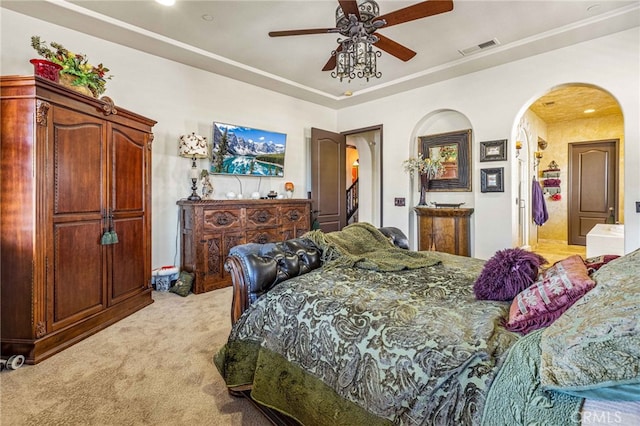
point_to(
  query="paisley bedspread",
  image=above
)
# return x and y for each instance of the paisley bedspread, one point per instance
(411, 347)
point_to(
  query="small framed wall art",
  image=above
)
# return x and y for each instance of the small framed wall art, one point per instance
(493, 150)
(492, 180)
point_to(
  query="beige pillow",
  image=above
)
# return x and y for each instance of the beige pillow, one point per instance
(593, 349)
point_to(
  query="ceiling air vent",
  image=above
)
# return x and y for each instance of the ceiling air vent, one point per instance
(482, 46)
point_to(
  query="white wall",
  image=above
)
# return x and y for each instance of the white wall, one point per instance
(493, 101)
(184, 99)
(181, 99)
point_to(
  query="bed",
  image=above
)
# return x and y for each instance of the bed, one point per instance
(351, 328)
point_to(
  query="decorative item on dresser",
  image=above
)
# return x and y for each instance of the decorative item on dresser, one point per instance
(427, 169)
(73, 170)
(444, 229)
(210, 228)
(193, 146)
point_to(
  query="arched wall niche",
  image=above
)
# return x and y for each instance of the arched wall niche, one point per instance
(558, 135)
(436, 122)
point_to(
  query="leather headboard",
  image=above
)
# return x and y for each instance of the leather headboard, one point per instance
(396, 236)
(265, 265)
(257, 268)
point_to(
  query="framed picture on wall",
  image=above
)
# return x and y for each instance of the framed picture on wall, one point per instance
(492, 180)
(493, 150)
(454, 151)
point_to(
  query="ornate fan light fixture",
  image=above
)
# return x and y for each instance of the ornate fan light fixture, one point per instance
(355, 55)
(356, 21)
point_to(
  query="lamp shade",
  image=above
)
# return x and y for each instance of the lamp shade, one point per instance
(193, 146)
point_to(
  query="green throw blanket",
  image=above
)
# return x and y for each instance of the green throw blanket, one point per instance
(362, 245)
(516, 396)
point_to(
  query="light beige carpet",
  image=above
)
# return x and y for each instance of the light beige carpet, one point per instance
(152, 368)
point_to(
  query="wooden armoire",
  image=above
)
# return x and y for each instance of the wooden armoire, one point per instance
(73, 168)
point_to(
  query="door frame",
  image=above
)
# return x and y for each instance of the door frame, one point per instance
(379, 164)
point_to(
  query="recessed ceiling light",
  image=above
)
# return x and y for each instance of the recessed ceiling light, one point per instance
(348, 93)
(166, 2)
(207, 17)
(589, 111)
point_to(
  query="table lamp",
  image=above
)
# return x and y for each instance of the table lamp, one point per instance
(193, 146)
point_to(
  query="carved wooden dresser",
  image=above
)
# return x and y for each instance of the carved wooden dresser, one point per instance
(210, 228)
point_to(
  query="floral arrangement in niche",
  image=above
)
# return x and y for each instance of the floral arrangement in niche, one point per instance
(75, 65)
(431, 167)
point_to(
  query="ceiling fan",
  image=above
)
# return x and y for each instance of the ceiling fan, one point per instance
(353, 18)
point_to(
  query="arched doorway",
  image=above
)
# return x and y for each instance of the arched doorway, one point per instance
(568, 114)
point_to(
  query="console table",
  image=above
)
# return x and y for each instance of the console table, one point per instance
(444, 229)
(210, 228)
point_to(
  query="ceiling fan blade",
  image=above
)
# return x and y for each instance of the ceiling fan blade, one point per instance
(331, 63)
(350, 7)
(394, 48)
(416, 11)
(302, 32)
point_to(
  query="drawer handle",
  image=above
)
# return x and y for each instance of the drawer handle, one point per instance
(262, 239)
(223, 220)
(262, 217)
(294, 216)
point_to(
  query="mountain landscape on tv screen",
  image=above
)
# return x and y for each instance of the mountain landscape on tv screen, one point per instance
(246, 151)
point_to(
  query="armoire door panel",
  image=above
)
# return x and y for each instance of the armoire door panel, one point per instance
(78, 152)
(78, 272)
(128, 151)
(128, 266)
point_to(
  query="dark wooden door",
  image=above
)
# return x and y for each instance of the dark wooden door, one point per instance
(328, 179)
(593, 186)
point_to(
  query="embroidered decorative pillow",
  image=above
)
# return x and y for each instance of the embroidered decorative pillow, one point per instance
(507, 273)
(597, 262)
(593, 350)
(556, 290)
(182, 286)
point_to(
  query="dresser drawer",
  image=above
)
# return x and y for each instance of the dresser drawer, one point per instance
(258, 217)
(294, 215)
(219, 219)
(264, 235)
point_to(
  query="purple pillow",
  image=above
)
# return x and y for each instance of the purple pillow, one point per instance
(507, 273)
(556, 290)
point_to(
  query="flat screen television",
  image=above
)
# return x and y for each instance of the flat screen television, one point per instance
(238, 150)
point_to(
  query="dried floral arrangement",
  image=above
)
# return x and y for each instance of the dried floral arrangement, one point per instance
(74, 64)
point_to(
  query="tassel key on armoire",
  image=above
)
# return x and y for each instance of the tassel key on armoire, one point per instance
(109, 236)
